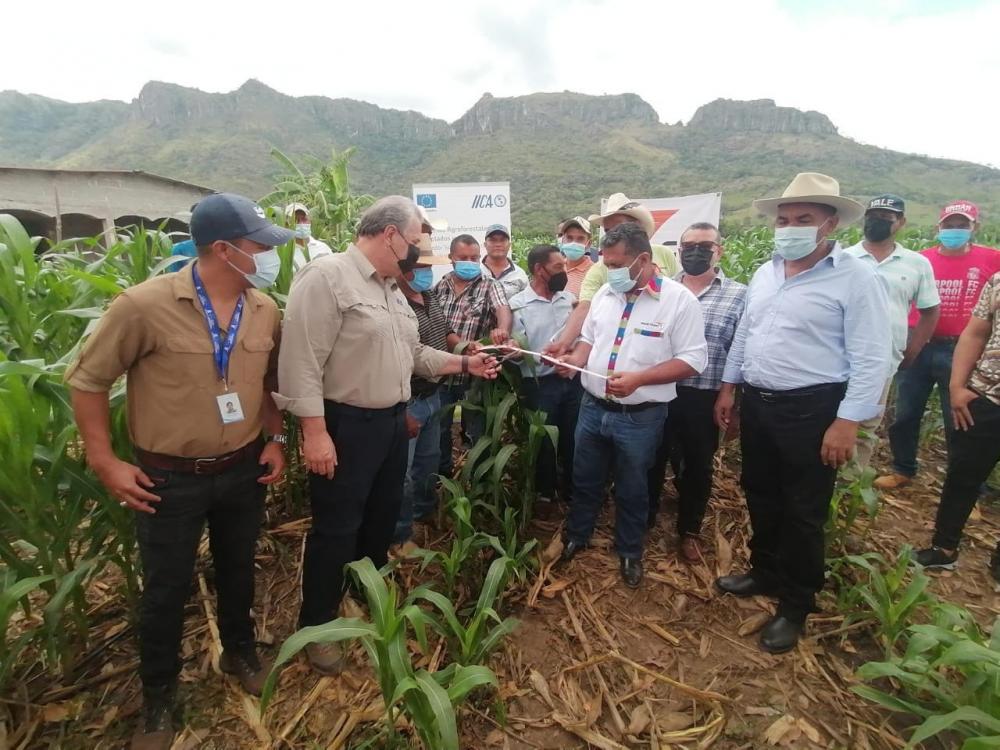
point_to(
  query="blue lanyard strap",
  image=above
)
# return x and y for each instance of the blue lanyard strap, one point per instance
(221, 349)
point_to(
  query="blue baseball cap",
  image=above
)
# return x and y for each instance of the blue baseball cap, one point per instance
(227, 216)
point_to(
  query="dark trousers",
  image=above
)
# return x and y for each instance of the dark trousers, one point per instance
(559, 398)
(972, 457)
(913, 387)
(690, 439)
(231, 503)
(353, 514)
(788, 489)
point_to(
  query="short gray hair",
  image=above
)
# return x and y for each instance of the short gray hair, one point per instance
(393, 210)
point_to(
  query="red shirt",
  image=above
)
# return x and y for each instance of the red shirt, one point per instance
(959, 279)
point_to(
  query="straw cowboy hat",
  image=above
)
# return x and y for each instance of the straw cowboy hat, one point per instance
(435, 224)
(813, 187)
(620, 204)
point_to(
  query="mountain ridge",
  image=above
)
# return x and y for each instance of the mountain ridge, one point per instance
(561, 151)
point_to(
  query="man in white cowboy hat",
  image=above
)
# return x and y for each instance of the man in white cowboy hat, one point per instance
(812, 353)
(307, 247)
(618, 210)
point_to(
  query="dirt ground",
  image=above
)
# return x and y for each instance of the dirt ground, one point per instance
(593, 664)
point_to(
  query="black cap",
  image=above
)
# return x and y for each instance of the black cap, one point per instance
(227, 216)
(887, 202)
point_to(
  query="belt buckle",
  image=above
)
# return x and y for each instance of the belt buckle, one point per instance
(199, 463)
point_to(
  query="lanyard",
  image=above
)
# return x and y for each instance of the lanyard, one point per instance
(221, 349)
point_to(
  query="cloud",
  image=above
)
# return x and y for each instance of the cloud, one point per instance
(909, 75)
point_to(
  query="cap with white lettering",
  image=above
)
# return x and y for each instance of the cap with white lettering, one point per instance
(887, 202)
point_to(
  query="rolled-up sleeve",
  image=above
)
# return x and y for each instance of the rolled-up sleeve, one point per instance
(868, 342)
(312, 324)
(687, 334)
(119, 340)
(428, 361)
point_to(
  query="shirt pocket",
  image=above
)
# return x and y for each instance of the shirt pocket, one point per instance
(256, 352)
(192, 359)
(367, 318)
(647, 346)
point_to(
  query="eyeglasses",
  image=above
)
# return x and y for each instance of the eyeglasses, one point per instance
(703, 246)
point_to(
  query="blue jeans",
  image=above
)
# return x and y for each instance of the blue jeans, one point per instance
(630, 441)
(419, 495)
(559, 398)
(913, 387)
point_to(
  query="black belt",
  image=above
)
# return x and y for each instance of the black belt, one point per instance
(617, 408)
(943, 340)
(361, 411)
(795, 393)
(200, 466)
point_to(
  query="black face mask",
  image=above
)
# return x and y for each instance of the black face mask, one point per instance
(697, 260)
(877, 228)
(558, 281)
(408, 263)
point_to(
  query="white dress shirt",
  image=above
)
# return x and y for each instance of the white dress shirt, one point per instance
(829, 324)
(664, 324)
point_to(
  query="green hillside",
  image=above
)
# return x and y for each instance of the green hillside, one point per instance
(561, 152)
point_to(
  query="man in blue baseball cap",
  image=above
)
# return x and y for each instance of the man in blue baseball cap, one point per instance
(199, 348)
(498, 265)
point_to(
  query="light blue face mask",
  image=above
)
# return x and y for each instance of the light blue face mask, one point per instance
(573, 250)
(953, 239)
(423, 279)
(303, 231)
(795, 243)
(467, 270)
(620, 279)
(266, 267)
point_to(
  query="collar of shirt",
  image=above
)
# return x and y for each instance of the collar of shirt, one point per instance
(449, 280)
(832, 258)
(719, 280)
(859, 251)
(509, 269)
(529, 295)
(361, 262)
(183, 283)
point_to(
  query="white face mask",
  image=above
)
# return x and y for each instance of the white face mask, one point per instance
(795, 243)
(266, 267)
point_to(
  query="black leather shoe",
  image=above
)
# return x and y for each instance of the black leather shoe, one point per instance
(742, 585)
(780, 635)
(570, 550)
(631, 572)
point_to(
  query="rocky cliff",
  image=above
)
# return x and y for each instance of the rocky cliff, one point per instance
(761, 115)
(543, 111)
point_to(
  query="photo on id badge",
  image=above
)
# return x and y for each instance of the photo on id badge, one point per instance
(230, 408)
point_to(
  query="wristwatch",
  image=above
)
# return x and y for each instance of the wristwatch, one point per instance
(281, 439)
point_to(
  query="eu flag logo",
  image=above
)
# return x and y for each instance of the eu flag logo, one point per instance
(427, 200)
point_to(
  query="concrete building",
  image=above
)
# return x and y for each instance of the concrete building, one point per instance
(59, 204)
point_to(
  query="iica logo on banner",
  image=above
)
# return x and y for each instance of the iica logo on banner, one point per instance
(466, 207)
(671, 216)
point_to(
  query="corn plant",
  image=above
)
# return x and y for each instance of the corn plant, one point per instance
(891, 597)
(852, 496)
(426, 699)
(473, 641)
(508, 544)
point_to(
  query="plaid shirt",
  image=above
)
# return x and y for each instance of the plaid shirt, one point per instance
(722, 304)
(471, 314)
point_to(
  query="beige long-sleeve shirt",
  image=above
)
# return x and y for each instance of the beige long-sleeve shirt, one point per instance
(349, 336)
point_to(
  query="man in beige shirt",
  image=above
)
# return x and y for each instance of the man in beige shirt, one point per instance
(349, 347)
(199, 348)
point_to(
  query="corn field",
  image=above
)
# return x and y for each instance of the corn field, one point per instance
(63, 539)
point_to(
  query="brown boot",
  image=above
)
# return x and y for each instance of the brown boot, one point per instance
(325, 658)
(247, 667)
(690, 549)
(156, 727)
(891, 482)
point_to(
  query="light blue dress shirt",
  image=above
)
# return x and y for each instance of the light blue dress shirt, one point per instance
(829, 324)
(539, 321)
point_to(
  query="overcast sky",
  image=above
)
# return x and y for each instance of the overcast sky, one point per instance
(918, 76)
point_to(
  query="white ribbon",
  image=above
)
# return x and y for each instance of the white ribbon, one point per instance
(553, 360)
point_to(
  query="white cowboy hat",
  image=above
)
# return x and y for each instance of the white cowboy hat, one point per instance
(619, 203)
(813, 187)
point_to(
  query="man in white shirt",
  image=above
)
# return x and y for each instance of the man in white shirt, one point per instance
(307, 247)
(642, 334)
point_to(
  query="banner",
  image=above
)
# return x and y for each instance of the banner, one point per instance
(467, 207)
(671, 216)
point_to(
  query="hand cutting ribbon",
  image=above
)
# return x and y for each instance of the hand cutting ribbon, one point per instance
(546, 357)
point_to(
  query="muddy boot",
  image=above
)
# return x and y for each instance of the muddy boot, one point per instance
(156, 725)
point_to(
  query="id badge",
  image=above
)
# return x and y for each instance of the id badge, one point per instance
(230, 408)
